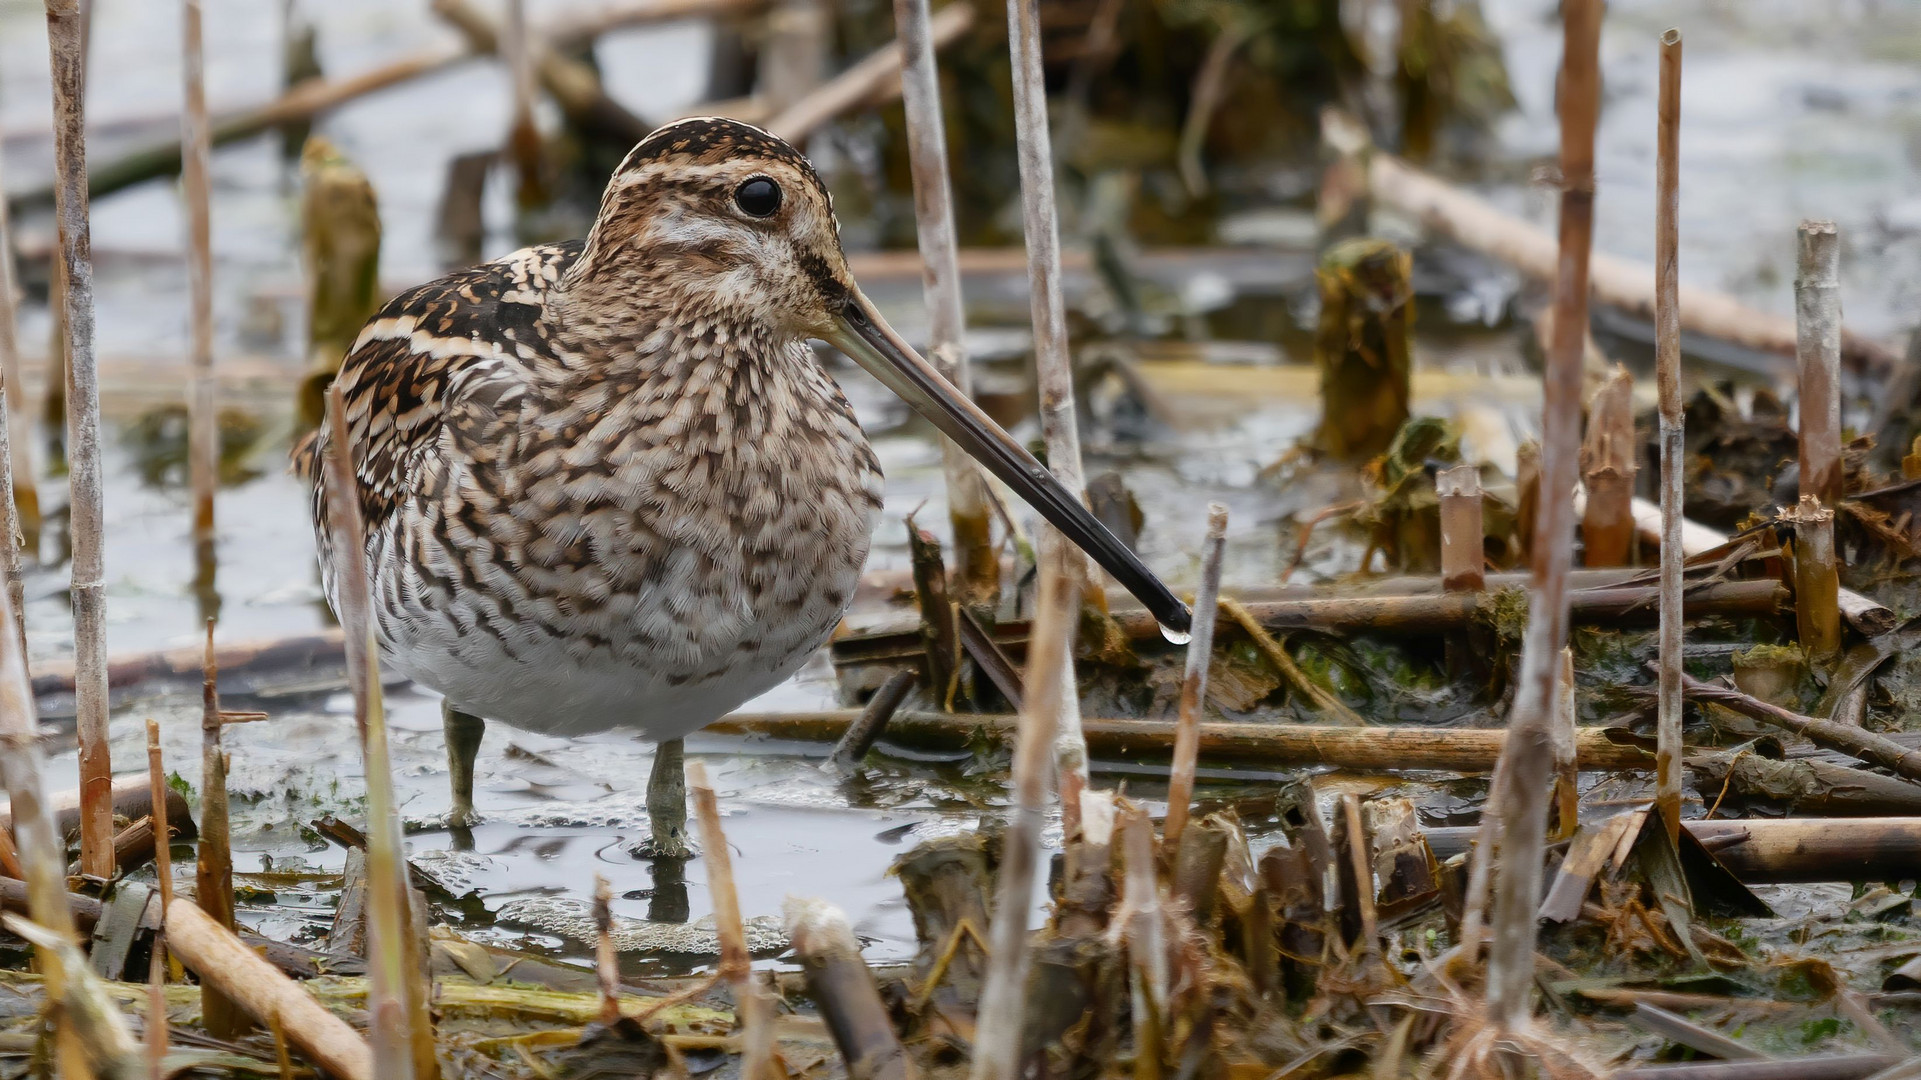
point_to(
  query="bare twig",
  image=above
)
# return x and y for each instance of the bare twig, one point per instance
(875, 79)
(1251, 623)
(1003, 1002)
(977, 566)
(1667, 363)
(1510, 975)
(1200, 651)
(402, 1035)
(41, 852)
(213, 871)
(83, 423)
(162, 831)
(1847, 738)
(1054, 368)
(203, 438)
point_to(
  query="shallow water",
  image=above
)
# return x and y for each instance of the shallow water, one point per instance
(1790, 112)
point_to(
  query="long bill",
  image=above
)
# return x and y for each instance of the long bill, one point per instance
(861, 333)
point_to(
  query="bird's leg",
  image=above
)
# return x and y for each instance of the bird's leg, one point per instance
(463, 732)
(667, 802)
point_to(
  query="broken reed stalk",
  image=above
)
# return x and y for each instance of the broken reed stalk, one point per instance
(397, 1000)
(64, 33)
(1673, 424)
(736, 964)
(1146, 943)
(203, 434)
(1817, 321)
(841, 984)
(1053, 366)
(606, 960)
(224, 961)
(1528, 753)
(1004, 998)
(1567, 769)
(9, 509)
(23, 495)
(977, 566)
(1463, 529)
(213, 868)
(1200, 651)
(162, 831)
(1817, 317)
(41, 852)
(1817, 580)
(1607, 470)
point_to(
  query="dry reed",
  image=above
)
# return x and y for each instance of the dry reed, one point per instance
(1673, 424)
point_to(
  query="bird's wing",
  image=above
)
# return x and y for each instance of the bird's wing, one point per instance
(435, 380)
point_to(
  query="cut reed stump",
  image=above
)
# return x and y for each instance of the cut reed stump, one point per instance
(843, 987)
(1607, 468)
(340, 252)
(1363, 346)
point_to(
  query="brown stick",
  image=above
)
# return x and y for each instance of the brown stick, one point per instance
(1146, 941)
(1563, 736)
(861, 735)
(1850, 739)
(840, 983)
(977, 567)
(1607, 469)
(875, 79)
(574, 85)
(1510, 970)
(939, 618)
(224, 961)
(1673, 423)
(1388, 748)
(162, 832)
(1003, 1002)
(1200, 653)
(203, 441)
(83, 435)
(1620, 283)
(397, 1000)
(213, 876)
(606, 960)
(1767, 851)
(1463, 531)
(1817, 578)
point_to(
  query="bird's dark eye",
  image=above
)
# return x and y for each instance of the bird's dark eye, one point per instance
(759, 197)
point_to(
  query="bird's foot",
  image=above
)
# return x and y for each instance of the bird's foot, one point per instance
(665, 844)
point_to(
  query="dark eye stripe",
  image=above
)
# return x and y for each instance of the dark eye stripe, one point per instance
(758, 197)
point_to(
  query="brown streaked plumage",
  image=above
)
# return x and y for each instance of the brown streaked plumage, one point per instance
(608, 483)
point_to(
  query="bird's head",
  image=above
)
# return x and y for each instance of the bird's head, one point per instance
(732, 227)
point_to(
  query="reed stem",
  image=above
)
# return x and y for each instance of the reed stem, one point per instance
(22, 510)
(203, 440)
(1607, 470)
(736, 964)
(1004, 998)
(977, 566)
(41, 852)
(65, 32)
(1528, 754)
(1817, 319)
(1200, 651)
(402, 1033)
(213, 870)
(1673, 424)
(1053, 365)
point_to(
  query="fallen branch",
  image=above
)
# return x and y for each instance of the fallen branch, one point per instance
(1392, 748)
(1617, 282)
(1782, 850)
(1856, 741)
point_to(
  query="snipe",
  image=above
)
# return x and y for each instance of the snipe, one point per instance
(607, 484)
